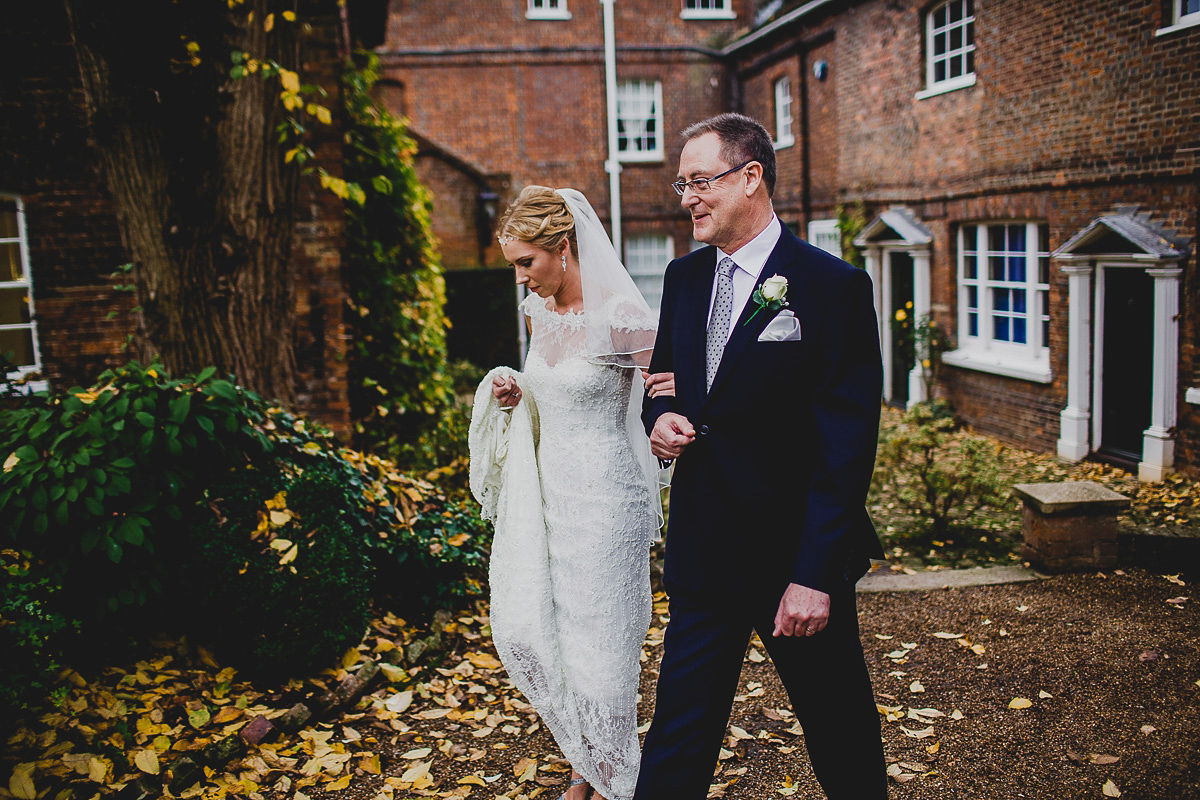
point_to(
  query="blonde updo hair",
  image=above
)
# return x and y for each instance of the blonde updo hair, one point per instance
(540, 217)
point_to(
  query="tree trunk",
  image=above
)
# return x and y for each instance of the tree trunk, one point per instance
(194, 165)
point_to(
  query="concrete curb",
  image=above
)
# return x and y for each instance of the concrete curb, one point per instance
(887, 581)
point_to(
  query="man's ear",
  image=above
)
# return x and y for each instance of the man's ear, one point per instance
(754, 177)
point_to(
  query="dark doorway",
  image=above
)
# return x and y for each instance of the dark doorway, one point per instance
(900, 266)
(482, 307)
(1127, 371)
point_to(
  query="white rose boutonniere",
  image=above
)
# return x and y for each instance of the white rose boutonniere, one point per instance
(772, 295)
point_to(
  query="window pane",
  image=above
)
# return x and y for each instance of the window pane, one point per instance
(1000, 299)
(956, 66)
(20, 344)
(939, 17)
(1189, 7)
(970, 26)
(939, 43)
(956, 10)
(996, 238)
(973, 297)
(1018, 301)
(10, 262)
(1000, 329)
(969, 267)
(972, 324)
(996, 268)
(8, 219)
(1016, 268)
(14, 306)
(939, 71)
(1044, 232)
(970, 62)
(1016, 238)
(956, 38)
(969, 238)
(1043, 270)
(1018, 330)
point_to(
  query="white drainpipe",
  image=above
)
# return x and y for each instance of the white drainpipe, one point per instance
(612, 165)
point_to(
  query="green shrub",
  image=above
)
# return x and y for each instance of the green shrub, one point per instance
(433, 552)
(273, 575)
(30, 631)
(941, 474)
(94, 480)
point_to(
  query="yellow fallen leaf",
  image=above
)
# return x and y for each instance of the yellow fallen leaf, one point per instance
(338, 784)
(1110, 789)
(945, 635)
(420, 752)
(370, 763)
(1043, 694)
(146, 761)
(484, 660)
(933, 748)
(915, 687)
(20, 784)
(472, 780)
(756, 656)
(739, 733)
(1020, 702)
(280, 518)
(924, 733)
(99, 769)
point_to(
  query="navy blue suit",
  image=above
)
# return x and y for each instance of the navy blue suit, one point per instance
(772, 491)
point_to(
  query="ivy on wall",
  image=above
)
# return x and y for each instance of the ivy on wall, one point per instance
(398, 385)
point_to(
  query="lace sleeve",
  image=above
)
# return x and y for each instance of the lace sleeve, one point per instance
(632, 329)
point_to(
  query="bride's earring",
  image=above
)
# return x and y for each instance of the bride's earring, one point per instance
(564, 262)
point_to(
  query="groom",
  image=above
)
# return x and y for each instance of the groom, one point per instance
(773, 430)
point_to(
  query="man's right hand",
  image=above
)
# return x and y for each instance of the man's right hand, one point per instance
(671, 433)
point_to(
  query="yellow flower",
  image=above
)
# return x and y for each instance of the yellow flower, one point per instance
(900, 315)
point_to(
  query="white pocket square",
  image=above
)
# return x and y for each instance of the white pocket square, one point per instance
(783, 328)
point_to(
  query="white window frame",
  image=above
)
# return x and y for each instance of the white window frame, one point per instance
(1180, 19)
(823, 234)
(547, 9)
(646, 258)
(26, 283)
(784, 121)
(641, 93)
(982, 350)
(967, 24)
(707, 9)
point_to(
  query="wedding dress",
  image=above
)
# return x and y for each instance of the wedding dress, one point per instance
(574, 517)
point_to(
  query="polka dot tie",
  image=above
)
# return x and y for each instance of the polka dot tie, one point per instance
(718, 322)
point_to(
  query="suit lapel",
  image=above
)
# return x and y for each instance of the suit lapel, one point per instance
(691, 346)
(782, 261)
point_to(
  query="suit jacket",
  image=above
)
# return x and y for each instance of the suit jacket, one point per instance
(773, 488)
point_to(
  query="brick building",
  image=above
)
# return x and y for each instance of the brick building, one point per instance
(1028, 176)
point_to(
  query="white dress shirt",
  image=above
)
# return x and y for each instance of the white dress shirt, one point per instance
(750, 259)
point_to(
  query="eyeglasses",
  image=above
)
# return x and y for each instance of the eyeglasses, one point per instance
(701, 185)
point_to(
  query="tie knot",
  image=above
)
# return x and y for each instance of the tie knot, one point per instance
(726, 267)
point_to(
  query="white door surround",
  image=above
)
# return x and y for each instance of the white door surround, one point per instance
(897, 230)
(1125, 240)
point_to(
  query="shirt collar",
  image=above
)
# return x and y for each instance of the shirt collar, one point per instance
(753, 255)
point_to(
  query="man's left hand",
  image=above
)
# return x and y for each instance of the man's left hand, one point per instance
(802, 612)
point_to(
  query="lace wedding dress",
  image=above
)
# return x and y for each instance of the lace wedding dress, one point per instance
(574, 518)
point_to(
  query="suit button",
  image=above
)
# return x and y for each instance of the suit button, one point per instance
(704, 430)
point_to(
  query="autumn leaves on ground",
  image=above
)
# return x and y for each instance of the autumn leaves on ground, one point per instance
(1078, 686)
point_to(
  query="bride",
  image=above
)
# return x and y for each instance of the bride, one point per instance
(562, 467)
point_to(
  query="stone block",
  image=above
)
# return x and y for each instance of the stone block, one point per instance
(1070, 526)
(258, 730)
(294, 719)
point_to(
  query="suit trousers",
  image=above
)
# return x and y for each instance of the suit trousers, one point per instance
(825, 676)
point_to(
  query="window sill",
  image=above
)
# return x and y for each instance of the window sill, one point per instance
(952, 85)
(639, 158)
(784, 144)
(1182, 25)
(1023, 369)
(726, 13)
(547, 15)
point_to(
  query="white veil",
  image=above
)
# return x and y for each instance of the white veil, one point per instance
(619, 325)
